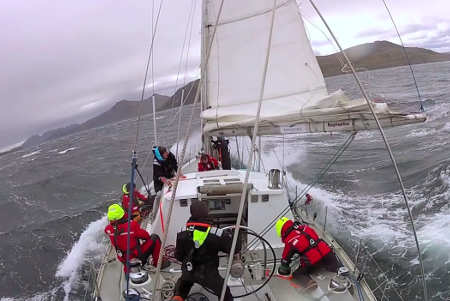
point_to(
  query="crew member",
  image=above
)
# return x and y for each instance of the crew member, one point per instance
(207, 162)
(117, 230)
(303, 240)
(197, 249)
(138, 201)
(164, 167)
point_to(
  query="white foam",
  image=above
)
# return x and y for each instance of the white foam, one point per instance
(193, 146)
(67, 150)
(11, 147)
(90, 243)
(31, 154)
(421, 132)
(50, 295)
(446, 127)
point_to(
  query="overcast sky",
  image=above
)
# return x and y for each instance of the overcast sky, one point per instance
(66, 61)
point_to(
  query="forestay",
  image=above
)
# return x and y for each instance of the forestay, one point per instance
(295, 98)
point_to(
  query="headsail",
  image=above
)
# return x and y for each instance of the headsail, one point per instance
(295, 99)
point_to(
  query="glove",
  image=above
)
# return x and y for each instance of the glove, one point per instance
(284, 269)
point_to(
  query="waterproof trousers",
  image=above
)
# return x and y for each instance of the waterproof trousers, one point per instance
(150, 247)
(208, 278)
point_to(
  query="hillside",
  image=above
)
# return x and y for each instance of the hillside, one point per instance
(377, 55)
(124, 109)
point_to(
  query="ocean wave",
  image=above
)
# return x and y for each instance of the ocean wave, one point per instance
(90, 244)
(31, 154)
(11, 147)
(421, 132)
(193, 146)
(446, 127)
(67, 150)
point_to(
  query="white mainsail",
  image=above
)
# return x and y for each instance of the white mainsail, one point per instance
(295, 98)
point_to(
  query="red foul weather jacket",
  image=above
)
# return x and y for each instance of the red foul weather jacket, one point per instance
(118, 236)
(136, 196)
(302, 240)
(212, 164)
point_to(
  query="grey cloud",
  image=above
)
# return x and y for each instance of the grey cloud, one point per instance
(60, 56)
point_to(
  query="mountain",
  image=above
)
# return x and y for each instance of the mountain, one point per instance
(377, 55)
(124, 109)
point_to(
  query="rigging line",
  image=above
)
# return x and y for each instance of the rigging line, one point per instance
(391, 155)
(150, 55)
(180, 64)
(341, 62)
(130, 205)
(377, 265)
(406, 55)
(237, 149)
(189, 44)
(179, 112)
(253, 146)
(179, 119)
(175, 186)
(324, 170)
(155, 135)
(168, 126)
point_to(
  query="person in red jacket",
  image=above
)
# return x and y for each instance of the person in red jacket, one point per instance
(117, 231)
(138, 201)
(207, 162)
(303, 240)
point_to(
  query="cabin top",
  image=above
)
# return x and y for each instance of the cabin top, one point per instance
(196, 182)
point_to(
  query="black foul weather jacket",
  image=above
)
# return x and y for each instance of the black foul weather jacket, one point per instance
(200, 265)
(166, 169)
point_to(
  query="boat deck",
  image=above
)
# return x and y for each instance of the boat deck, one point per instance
(111, 279)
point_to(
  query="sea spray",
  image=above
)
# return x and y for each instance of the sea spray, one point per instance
(91, 244)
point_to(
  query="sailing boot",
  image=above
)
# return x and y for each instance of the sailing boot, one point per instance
(284, 269)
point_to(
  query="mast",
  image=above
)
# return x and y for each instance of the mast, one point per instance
(203, 73)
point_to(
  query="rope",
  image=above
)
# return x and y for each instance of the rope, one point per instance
(406, 56)
(179, 119)
(168, 126)
(188, 25)
(130, 206)
(155, 135)
(249, 167)
(175, 186)
(150, 55)
(391, 155)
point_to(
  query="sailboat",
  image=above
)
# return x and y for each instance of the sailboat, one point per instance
(259, 76)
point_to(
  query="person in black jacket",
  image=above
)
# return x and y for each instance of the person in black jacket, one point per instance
(164, 167)
(197, 249)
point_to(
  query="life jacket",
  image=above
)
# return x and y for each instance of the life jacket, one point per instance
(198, 234)
(307, 243)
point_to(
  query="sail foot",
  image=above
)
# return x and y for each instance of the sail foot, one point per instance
(343, 125)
